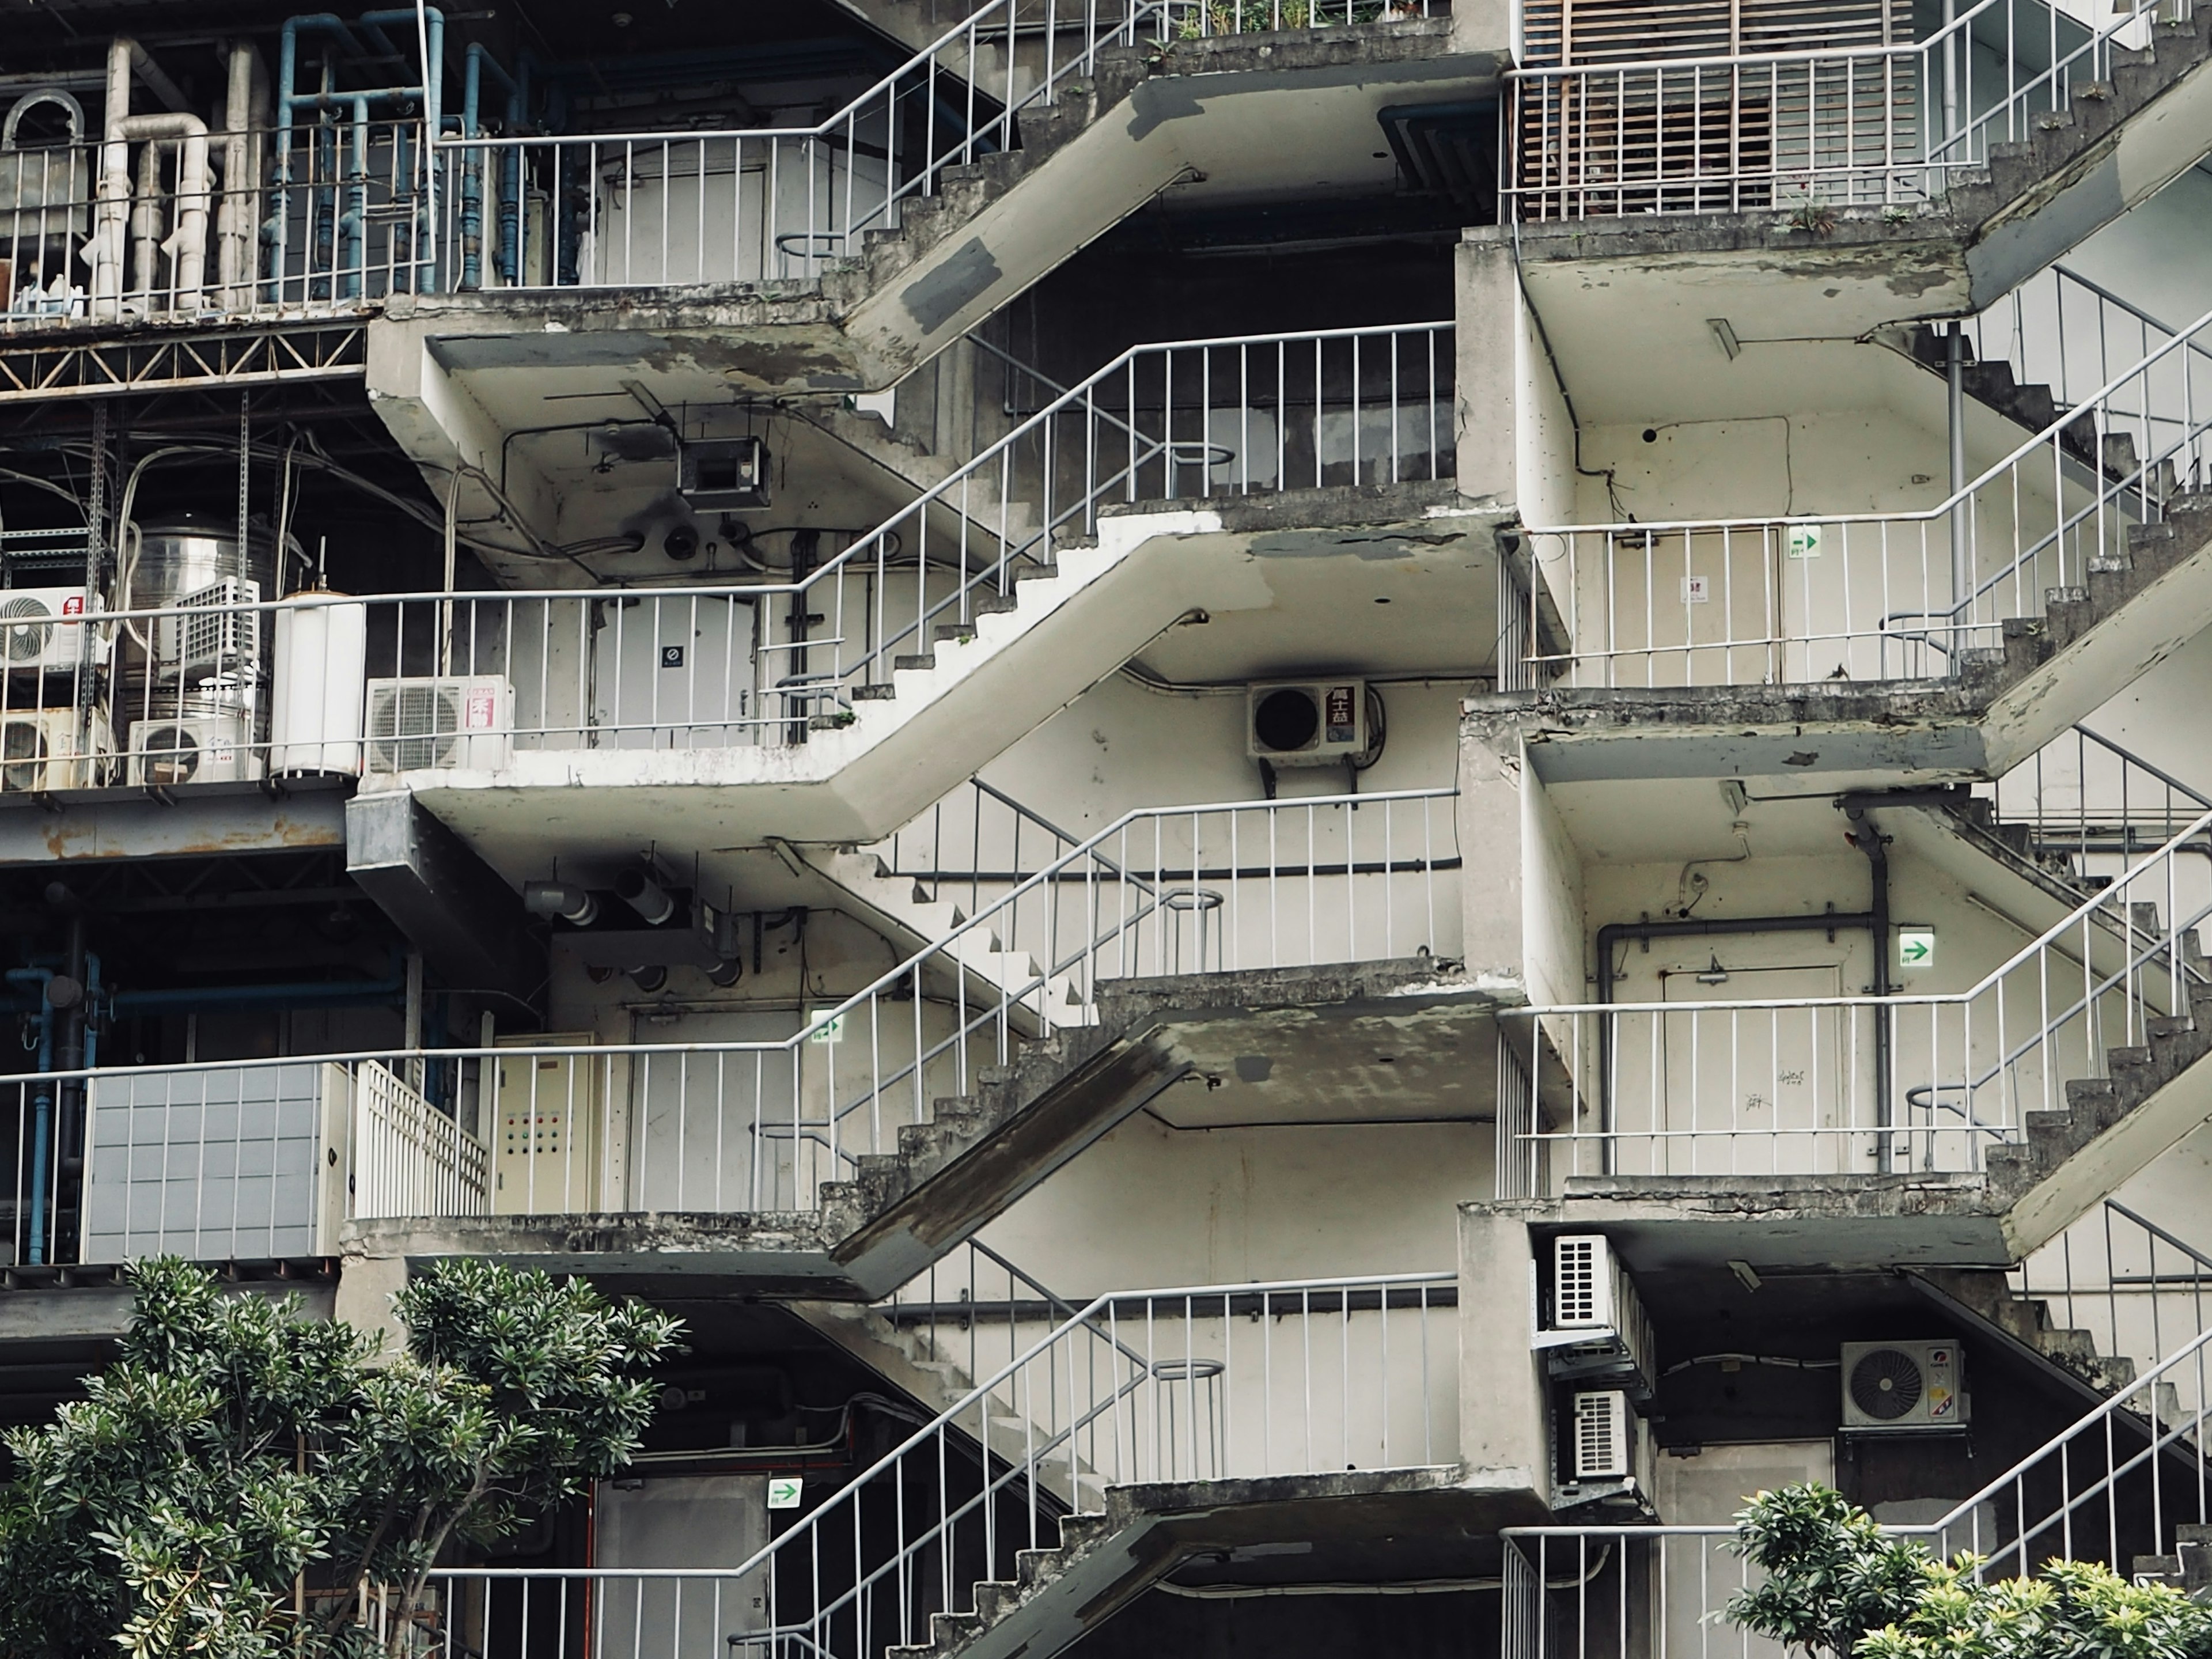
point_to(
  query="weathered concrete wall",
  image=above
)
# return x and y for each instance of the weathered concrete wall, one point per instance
(1503, 1435)
(1524, 885)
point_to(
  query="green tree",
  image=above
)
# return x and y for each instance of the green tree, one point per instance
(238, 1449)
(1837, 1585)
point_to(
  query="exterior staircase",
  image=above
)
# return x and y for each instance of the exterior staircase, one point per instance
(1988, 1303)
(2004, 702)
(979, 1152)
(1087, 148)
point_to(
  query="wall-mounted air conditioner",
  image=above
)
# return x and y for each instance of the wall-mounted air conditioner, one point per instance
(1904, 1388)
(1319, 722)
(43, 749)
(34, 635)
(200, 748)
(1608, 1454)
(1588, 1321)
(425, 724)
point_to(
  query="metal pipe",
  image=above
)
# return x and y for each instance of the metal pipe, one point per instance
(1869, 840)
(1962, 574)
(235, 221)
(477, 61)
(42, 1109)
(186, 244)
(104, 251)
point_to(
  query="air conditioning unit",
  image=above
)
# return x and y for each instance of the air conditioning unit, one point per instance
(1307, 722)
(201, 748)
(213, 628)
(33, 635)
(1592, 1324)
(1608, 1456)
(40, 749)
(424, 725)
(1904, 1388)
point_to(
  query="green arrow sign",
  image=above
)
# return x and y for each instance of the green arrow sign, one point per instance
(1915, 947)
(783, 1491)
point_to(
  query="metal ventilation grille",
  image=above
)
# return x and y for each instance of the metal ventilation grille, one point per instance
(1576, 1293)
(1602, 1436)
(172, 755)
(411, 728)
(26, 638)
(1886, 1384)
(216, 633)
(23, 749)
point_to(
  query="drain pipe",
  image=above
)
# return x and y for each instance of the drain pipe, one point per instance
(1962, 572)
(1827, 921)
(42, 1112)
(1866, 836)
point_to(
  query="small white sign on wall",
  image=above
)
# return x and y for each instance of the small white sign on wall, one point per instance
(1915, 947)
(1696, 590)
(1803, 541)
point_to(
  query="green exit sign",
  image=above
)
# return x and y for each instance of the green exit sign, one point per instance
(784, 1491)
(1915, 947)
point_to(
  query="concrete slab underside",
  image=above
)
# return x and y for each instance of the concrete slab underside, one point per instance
(1429, 1518)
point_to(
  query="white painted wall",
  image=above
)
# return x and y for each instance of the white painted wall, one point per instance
(1149, 1205)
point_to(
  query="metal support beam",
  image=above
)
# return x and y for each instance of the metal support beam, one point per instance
(467, 922)
(50, 365)
(111, 823)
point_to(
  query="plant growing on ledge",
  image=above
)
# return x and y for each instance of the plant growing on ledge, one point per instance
(238, 1456)
(1837, 1584)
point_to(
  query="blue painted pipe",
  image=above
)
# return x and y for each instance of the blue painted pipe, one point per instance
(428, 94)
(42, 1111)
(478, 62)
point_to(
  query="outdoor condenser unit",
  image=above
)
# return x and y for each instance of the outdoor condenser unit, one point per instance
(1307, 722)
(1608, 1458)
(424, 725)
(1904, 1388)
(1592, 1325)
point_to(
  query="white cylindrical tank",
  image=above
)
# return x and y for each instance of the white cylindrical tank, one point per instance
(321, 685)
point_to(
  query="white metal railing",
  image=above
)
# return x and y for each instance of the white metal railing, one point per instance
(2109, 1488)
(1220, 1382)
(752, 205)
(761, 1126)
(200, 690)
(2061, 331)
(1881, 596)
(320, 216)
(977, 838)
(2136, 1289)
(1855, 1083)
(2089, 806)
(1803, 131)
(408, 1157)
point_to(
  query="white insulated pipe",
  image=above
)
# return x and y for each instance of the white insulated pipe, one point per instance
(236, 219)
(187, 245)
(105, 250)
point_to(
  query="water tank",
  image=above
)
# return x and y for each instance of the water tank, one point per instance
(183, 553)
(174, 558)
(319, 685)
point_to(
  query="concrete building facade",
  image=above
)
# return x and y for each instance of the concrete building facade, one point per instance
(1313, 809)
